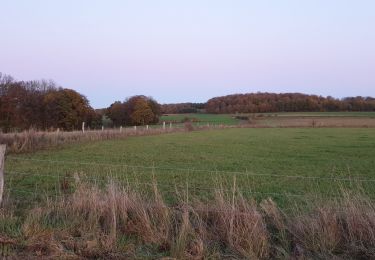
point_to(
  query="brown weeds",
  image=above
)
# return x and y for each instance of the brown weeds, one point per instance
(119, 222)
(30, 141)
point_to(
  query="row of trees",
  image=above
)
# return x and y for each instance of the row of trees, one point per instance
(182, 108)
(289, 102)
(42, 105)
(137, 110)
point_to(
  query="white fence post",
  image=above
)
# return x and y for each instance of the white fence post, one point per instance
(2, 162)
(135, 128)
(83, 127)
(102, 127)
(170, 125)
(146, 127)
(164, 125)
(120, 129)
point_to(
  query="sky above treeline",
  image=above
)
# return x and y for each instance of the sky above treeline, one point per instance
(191, 50)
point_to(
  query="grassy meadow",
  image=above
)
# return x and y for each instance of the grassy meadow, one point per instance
(286, 119)
(270, 162)
(231, 193)
(225, 119)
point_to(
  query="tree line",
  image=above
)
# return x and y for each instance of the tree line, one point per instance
(43, 105)
(182, 108)
(137, 110)
(288, 102)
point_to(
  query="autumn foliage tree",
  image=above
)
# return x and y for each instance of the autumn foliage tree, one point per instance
(42, 105)
(137, 110)
(67, 109)
(286, 102)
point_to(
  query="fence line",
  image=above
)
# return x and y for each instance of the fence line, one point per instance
(304, 196)
(346, 179)
(204, 209)
(174, 186)
(2, 157)
(179, 209)
(162, 185)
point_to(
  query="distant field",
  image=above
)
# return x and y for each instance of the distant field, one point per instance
(322, 114)
(314, 121)
(280, 119)
(266, 162)
(290, 119)
(224, 119)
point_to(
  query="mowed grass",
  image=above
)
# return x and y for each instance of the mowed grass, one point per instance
(279, 163)
(230, 119)
(225, 119)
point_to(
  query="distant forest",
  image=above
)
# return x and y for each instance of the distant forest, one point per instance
(272, 102)
(45, 106)
(289, 102)
(182, 108)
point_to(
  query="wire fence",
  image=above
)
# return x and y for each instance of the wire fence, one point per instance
(54, 180)
(350, 178)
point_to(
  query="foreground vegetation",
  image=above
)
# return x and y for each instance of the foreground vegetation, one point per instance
(118, 222)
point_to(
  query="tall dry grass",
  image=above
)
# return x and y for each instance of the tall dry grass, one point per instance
(31, 140)
(120, 223)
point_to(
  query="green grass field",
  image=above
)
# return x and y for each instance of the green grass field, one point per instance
(265, 162)
(230, 119)
(225, 119)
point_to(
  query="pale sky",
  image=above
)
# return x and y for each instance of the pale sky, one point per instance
(191, 50)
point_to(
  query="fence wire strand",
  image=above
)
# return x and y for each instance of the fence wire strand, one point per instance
(345, 179)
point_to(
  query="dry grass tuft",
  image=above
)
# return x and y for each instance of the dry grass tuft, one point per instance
(238, 223)
(344, 227)
(118, 222)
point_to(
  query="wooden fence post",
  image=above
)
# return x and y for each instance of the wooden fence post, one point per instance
(2, 162)
(83, 127)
